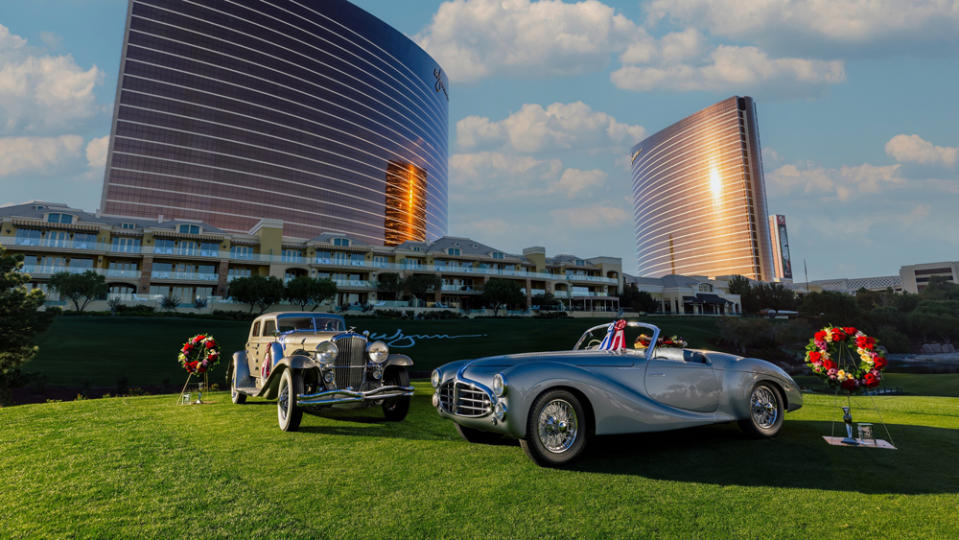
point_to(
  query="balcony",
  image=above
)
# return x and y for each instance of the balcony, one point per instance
(49, 270)
(114, 273)
(354, 284)
(458, 288)
(183, 251)
(185, 276)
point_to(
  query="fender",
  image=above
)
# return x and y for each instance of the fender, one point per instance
(241, 368)
(398, 360)
(272, 383)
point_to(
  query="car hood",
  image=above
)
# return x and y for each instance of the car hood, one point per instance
(496, 364)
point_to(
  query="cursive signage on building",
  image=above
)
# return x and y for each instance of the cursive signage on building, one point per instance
(440, 84)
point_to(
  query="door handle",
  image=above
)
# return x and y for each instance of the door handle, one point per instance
(657, 374)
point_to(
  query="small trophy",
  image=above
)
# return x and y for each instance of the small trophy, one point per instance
(847, 418)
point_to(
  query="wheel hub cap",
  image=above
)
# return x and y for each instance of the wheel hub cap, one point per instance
(558, 426)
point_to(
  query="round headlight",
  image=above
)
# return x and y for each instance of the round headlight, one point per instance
(435, 378)
(500, 410)
(378, 351)
(499, 385)
(326, 352)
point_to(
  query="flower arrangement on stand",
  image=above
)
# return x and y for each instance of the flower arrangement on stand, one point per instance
(198, 356)
(846, 358)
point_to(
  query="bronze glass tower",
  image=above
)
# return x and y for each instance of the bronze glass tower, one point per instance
(699, 196)
(230, 112)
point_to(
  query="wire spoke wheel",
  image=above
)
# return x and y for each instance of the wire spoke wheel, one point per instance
(765, 407)
(558, 426)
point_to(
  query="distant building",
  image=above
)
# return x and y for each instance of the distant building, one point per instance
(145, 260)
(850, 285)
(915, 277)
(782, 265)
(689, 295)
(233, 112)
(699, 196)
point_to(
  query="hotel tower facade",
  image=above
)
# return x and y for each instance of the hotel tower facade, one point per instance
(699, 199)
(312, 112)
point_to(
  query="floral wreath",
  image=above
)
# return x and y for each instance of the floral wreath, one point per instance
(643, 340)
(199, 354)
(826, 350)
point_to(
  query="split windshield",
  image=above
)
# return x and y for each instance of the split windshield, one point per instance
(301, 323)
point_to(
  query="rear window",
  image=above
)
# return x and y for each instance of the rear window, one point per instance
(256, 329)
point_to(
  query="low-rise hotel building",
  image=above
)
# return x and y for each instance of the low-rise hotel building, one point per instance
(146, 260)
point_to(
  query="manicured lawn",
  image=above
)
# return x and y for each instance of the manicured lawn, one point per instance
(90, 351)
(143, 466)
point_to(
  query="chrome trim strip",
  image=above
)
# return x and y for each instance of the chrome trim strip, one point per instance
(349, 396)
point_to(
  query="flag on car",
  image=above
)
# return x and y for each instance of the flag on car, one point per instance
(615, 336)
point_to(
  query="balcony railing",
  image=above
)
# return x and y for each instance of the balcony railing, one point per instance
(46, 269)
(354, 284)
(185, 276)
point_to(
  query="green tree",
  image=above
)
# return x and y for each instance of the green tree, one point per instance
(389, 283)
(20, 320)
(257, 291)
(81, 289)
(830, 307)
(546, 301)
(304, 290)
(637, 300)
(747, 297)
(499, 292)
(419, 285)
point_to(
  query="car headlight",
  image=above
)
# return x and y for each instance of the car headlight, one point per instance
(500, 410)
(326, 352)
(499, 385)
(435, 378)
(378, 352)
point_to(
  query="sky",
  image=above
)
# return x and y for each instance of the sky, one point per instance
(857, 106)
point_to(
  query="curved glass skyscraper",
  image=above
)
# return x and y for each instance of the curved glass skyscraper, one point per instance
(309, 111)
(699, 196)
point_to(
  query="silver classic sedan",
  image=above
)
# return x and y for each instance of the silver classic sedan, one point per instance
(619, 378)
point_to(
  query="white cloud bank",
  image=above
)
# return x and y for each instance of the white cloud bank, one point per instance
(914, 149)
(559, 126)
(842, 183)
(38, 155)
(817, 25)
(474, 39)
(42, 93)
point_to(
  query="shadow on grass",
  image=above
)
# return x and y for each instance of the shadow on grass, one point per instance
(418, 425)
(797, 458)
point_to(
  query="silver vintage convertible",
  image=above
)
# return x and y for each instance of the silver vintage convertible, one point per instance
(554, 402)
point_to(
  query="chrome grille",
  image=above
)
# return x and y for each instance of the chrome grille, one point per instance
(350, 366)
(464, 399)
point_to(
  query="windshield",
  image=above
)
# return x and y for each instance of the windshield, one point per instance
(309, 323)
(637, 338)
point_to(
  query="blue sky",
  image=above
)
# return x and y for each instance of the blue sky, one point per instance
(857, 111)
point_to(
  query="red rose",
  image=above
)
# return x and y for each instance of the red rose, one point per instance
(850, 384)
(210, 344)
(828, 364)
(879, 362)
(198, 338)
(819, 336)
(191, 366)
(870, 380)
(849, 330)
(815, 356)
(837, 334)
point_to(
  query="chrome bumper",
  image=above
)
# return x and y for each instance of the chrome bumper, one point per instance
(331, 397)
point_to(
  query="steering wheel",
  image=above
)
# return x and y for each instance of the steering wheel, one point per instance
(593, 343)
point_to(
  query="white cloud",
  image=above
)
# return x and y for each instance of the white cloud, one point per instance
(479, 171)
(731, 68)
(593, 216)
(819, 25)
(487, 227)
(42, 93)
(914, 149)
(842, 183)
(38, 155)
(559, 126)
(574, 181)
(473, 39)
(97, 151)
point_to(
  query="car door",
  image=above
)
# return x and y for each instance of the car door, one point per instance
(683, 379)
(251, 345)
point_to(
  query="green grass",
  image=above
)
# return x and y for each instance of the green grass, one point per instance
(145, 467)
(90, 351)
(944, 384)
